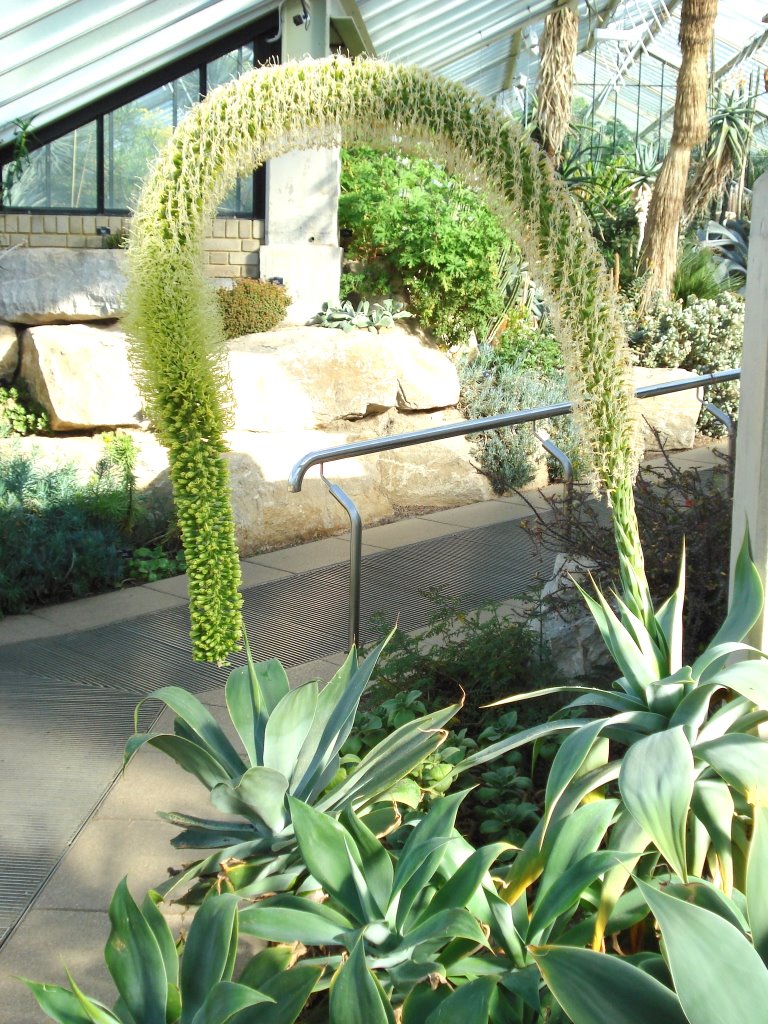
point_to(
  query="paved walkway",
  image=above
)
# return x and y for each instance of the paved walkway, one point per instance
(109, 827)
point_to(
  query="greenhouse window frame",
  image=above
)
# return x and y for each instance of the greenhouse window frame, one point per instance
(257, 34)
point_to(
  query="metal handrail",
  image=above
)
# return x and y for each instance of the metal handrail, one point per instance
(394, 441)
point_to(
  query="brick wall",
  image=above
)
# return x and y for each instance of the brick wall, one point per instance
(231, 249)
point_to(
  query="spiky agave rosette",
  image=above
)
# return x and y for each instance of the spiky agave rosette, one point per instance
(178, 348)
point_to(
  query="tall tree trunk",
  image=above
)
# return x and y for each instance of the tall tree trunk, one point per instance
(689, 129)
(554, 92)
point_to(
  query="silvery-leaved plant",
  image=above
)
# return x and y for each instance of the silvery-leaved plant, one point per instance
(159, 982)
(290, 740)
(678, 740)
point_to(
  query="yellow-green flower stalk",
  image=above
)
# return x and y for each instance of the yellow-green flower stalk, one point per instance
(178, 347)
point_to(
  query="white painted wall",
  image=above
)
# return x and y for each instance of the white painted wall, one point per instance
(301, 225)
(750, 500)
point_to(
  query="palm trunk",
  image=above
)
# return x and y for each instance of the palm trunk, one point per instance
(659, 256)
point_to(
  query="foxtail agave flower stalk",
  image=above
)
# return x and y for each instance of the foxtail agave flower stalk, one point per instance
(178, 347)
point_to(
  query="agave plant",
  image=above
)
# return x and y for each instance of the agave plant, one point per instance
(676, 986)
(157, 983)
(689, 760)
(291, 740)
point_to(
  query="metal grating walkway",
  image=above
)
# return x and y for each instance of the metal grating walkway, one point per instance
(68, 701)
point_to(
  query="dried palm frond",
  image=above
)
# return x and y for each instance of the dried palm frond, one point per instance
(555, 86)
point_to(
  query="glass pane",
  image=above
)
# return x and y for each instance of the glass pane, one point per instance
(61, 174)
(134, 133)
(230, 65)
(224, 69)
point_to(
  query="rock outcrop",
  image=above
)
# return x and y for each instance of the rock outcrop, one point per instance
(310, 378)
(669, 419)
(9, 352)
(80, 374)
(48, 286)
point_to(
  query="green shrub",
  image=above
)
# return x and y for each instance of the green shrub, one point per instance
(701, 335)
(58, 546)
(66, 538)
(19, 414)
(251, 306)
(412, 228)
(490, 385)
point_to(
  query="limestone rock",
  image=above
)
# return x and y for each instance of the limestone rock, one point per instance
(427, 378)
(307, 378)
(43, 286)
(673, 416)
(80, 374)
(268, 515)
(437, 473)
(9, 352)
(567, 627)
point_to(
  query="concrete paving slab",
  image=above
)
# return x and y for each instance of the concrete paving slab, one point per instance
(16, 628)
(475, 515)
(314, 555)
(44, 946)
(407, 531)
(107, 850)
(106, 608)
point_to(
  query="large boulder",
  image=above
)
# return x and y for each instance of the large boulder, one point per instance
(268, 515)
(44, 286)
(310, 378)
(667, 419)
(81, 375)
(439, 474)
(9, 352)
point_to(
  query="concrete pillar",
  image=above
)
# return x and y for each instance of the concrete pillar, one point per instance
(301, 225)
(750, 500)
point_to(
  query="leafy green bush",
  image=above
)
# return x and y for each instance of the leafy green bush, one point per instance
(702, 335)
(410, 227)
(66, 538)
(490, 385)
(251, 306)
(59, 543)
(19, 414)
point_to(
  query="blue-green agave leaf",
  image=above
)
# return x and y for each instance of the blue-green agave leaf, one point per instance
(290, 991)
(713, 805)
(135, 960)
(594, 988)
(746, 599)
(192, 757)
(729, 994)
(293, 919)
(742, 761)
(356, 997)
(757, 882)
(468, 1004)
(259, 796)
(63, 1005)
(209, 952)
(390, 761)
(460, 888)
(225, 999)
(656, 785)
(376, 862)
(287, 729)
(565, 892)
(198, 720)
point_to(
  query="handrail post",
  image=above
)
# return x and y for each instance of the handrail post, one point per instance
(355, 556)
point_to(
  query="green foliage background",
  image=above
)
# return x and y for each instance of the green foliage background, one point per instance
(416, 230)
